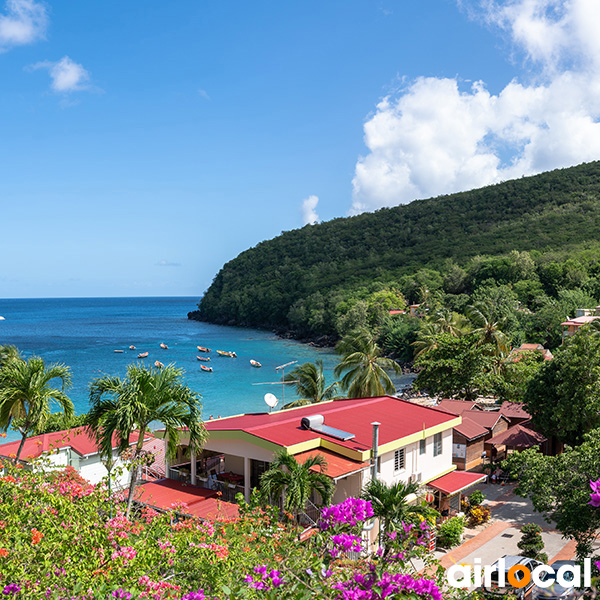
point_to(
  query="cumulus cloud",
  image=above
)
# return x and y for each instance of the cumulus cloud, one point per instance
(166, 263)
(309, 214)
(23, 22)
(439, 136)
(67, 75)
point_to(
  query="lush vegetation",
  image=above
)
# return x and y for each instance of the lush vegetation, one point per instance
(61, 538)
(529, 245)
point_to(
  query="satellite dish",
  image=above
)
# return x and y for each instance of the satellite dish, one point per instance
(271, 400)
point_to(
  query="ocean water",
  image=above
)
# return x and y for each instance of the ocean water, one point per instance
(84, 333)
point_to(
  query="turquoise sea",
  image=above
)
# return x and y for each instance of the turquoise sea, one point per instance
(85, 332)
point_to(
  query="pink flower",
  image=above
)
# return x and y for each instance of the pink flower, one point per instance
(595, 495)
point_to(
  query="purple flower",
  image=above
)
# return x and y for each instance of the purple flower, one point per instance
(345, 542)
(595, 495)
(199, 595)
(121, 594)
(11, 588)
(351, 511)
(267, 580)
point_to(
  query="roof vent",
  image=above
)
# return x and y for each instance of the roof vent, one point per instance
(317, 423)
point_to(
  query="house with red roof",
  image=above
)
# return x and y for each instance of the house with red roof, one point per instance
(71, 447)
(583, 316)
(397, 439)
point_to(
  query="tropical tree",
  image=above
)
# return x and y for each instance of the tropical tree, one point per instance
(391, 503)
(296, 481)
(27, 393)
(364, 366)
(120, 407)
(310, 384)
(488, 328)
(8, 353)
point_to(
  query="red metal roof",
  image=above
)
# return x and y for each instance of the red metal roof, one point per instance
(337, 466)
(517, 436)
(457, 407)
(455, 482)
(485, 418)
(166, 494)
(469, 429)
(514, 410)
(78, 439)
(398, 418)
(581, 320)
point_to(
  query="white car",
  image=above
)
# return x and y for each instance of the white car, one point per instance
(511, 561)
(555, 591)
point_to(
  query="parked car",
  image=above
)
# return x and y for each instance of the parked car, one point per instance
(511, 561)
(556, 591)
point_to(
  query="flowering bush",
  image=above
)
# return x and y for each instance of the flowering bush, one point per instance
(61, 539)
(478, 515)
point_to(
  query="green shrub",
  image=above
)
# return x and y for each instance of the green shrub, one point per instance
(476, 498)
(532, 544)
(450, 532)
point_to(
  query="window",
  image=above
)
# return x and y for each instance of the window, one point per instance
(437, 444)
(399, 460)
(422, 446)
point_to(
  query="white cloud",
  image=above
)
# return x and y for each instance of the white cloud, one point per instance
(67, 75)
(23, 22)
(435, 137)
(166, 263)
(309, 214)
(203, 94)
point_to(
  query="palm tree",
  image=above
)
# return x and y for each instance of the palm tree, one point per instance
(121, 406)
(26, 394)
(448, 321)
(309, 381)
(488, 327)
(8, 353)
(390, 503)
(365, 366)
(296, 481)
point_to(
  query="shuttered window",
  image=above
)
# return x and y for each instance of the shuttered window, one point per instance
(399, 460)
(437, 444)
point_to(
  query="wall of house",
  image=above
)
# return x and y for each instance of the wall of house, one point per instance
(499, 427)
(348, 487)
(234, 463)
(472, 450)
(93, 469)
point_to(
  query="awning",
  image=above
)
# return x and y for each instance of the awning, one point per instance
(455, 482)
(338, 466)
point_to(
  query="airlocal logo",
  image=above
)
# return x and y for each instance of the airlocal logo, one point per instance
(518, 575)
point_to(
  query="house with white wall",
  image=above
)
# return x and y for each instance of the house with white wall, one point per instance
(71, 447)
(406, 441)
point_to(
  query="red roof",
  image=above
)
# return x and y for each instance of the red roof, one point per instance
(398, 418)
(455, 482)
(469, 429)
(78, 439)
(167, 493)
(337, 466)
(514, 410)
(485, 418)
(579, 321)
(518, 436)
(457, 407)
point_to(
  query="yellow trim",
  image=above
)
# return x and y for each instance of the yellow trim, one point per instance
(304, 446)
(415, 437)
(244, 436)
(452, 468)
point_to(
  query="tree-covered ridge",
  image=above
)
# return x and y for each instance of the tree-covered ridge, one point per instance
(307, 279)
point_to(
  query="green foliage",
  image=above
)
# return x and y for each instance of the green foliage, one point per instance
(563, 397)
(456, 367)
(450, 532)
(536, 236)
(476, 498)
(559, 488)
(531, 543)
(398, 334)
(516, 371)
(309, 381)
(55, 422)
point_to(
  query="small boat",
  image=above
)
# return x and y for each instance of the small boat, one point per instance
(255, 363)
(118, 351)
(204, 358)
(158, 364)
(1, 318)
(164, 346)
(207, 369)
(203, 349)
(224, 353)
(143, 354)
(132, 347)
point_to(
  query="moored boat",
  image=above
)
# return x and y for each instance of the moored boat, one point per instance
(204, 358)
(158, 364)
(224, 353)
(143, 354)
(132, 347)
(207, 369)
(118, 351)
(164, 346)
(255, 363)
(203, 349)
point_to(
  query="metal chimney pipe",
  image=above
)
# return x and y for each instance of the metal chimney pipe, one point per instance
(374, 449)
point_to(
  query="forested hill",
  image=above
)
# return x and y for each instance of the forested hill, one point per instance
(305, 279)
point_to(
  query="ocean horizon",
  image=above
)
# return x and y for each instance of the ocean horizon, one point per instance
(84, 333)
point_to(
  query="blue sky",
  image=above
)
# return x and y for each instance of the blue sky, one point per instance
(145, 144)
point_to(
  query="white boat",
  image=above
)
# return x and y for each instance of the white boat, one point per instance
(164, 346)
(118, 351)
(255, 363)
(2, 319)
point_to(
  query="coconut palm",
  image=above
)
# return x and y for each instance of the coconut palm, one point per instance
(310, 385)
(119, 407)
(448, 321)
(487, 327)
(391, 503)
(26, 394)
(8, 353)
(365, 366)
(296, 481)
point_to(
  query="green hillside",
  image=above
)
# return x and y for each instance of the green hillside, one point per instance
(308, 279)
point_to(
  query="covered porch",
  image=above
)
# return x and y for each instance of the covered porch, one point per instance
(449, 489)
